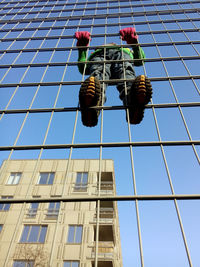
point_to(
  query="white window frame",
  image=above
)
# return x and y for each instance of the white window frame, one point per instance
(72, 231)
(80, 184)
(14, 178)
(27, 232)
(48, 178)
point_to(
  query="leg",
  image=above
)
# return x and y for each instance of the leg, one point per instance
(134, 94)
(92, 92)
(125, 71)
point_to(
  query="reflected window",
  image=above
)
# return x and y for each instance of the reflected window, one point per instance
(71, 264)
(33, 209)
(23, 264)
(53, 209)
(81, 182)
(46, 178)
(34, 234)
(14, 178)
(5, 206)
(75, 234)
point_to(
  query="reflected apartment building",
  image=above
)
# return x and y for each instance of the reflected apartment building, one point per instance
(59, 233)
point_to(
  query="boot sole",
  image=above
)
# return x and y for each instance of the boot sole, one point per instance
(90, 96)
(141, 94)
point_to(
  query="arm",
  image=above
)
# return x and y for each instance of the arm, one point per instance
(83, 40)
(138, 53)
(129, 35)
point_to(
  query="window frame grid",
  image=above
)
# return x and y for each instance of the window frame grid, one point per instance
(152, 106)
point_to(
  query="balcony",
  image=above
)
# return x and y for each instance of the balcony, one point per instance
(103, 264)
(106, 215)
(52, 213)
(31, 213)
(105, 250)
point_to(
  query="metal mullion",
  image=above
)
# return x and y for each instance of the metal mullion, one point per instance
(19, 132)
(100, 156)
(22, 48)
(180, 110)
(190, 20)
(30, 62)
(7, 107)
(172, 189)
(126, 14)
(125, 5)
(21, 65)
(133, 175)
(20, 80)
(16, 13)
(7, 13)
(28, 189)
(101, 198)
(74, 48)
(46, 110)
(17, 85)
(113, 24)
(39, 232)
(108, 82)
(173, 193)
(74, 7)
(10, 44)
(100, 35)
(169, 176)
(182, 59)
(97, 35)
(71, 148)
(96, 145)
(28, 12)
(51, 11)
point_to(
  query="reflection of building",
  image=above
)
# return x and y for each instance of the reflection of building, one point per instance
(65, 231)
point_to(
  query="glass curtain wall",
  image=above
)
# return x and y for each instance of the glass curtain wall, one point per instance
(156, 162)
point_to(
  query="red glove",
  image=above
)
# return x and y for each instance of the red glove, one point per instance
(83, 38)
(129, 35)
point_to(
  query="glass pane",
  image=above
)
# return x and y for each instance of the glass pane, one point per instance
(85, 178)
(25, 233)
(7, 207)
(78, 177)
(33, 237)
(70, 234)
(51, 178)
(43, 234)
(19, 264)
(78, 237)
(17, 178)
(11, 178)
(34, 206)
(51, 205)
(57, 205)
(43, 178)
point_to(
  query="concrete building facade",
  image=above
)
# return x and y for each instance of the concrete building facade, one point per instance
(58, 233)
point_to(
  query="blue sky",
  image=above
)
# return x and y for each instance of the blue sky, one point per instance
(161, 235)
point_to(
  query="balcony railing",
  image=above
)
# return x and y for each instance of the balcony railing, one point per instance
(106, 215)
(106, 187)
(105, 250)
(52, 213)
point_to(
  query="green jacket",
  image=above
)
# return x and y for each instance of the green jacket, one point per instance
(136, 53)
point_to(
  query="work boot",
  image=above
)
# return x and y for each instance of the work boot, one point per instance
(139, 95)
(90, 96)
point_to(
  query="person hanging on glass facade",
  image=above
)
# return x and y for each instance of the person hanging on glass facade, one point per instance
(135, 93)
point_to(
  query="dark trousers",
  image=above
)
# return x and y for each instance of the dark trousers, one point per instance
(113, 70)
